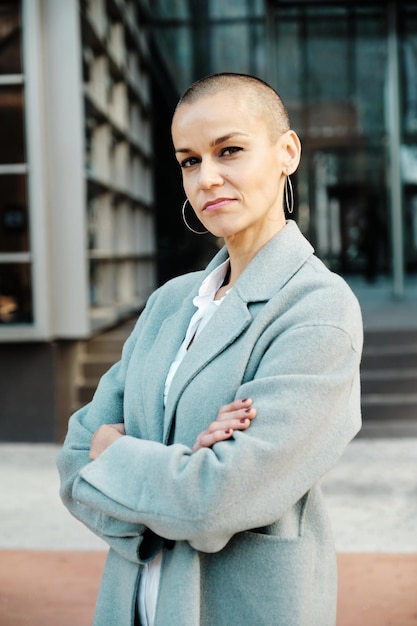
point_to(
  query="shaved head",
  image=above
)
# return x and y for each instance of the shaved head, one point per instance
(261, 99)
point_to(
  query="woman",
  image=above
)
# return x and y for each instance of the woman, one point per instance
(198, 459)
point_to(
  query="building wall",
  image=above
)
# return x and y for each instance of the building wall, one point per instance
(27, 375)
(77, 245)
(346, 71)
(78, 255)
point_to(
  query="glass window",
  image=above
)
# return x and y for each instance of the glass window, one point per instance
(175, 45)
(198, 37)
(176, 9)
(10, 38)
(331, 71)
(230, 47)
(343, 95)
(327, 39)
(15, 273)
(408, 25)
(235, 8)
(288, 80)
(14, 228)
(369, 80)
(15, 293)
(409, 70)
(12, 144)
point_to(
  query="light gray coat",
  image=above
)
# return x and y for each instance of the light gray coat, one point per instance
(253, 545)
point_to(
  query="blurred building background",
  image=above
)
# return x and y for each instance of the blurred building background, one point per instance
(90, 192)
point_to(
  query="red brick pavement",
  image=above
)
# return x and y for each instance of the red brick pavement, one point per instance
(59, 588)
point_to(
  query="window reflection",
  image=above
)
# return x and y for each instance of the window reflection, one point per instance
(235, 8)
(409, 61)
(14, 228)
(231, 46)
(409, 136)
(10, 38)
(410, 70)
(12, 144)
(333, 80)
(15, 293)
(197, 37)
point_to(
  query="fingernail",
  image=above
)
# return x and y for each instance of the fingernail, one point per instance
(243, 420)
(248, 410)
(244, 400)
(228, 431)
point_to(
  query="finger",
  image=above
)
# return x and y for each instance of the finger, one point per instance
(232, 419)
(235, 406)
(221, 431)
(119, 427)
(104, 436)
(207, 440)
(238, 423)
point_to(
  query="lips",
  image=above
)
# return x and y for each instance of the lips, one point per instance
(217, 203)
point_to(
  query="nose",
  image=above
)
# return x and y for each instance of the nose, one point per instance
(209, 174)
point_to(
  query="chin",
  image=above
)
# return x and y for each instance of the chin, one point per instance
(225, 230)
(223, 233)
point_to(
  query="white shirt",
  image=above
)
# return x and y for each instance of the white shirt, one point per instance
(206, 307)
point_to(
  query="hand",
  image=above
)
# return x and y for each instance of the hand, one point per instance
(104, 437)
(235, 416)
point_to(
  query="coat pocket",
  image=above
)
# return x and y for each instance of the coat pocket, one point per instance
(283, 574)
(264, 580)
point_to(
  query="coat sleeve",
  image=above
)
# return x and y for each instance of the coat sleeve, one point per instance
(307, 396)
(123, 535)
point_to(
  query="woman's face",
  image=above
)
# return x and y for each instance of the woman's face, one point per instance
(232, 171)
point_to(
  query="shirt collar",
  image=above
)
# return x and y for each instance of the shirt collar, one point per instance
(212, 283)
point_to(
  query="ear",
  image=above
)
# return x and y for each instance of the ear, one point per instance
(291, 145)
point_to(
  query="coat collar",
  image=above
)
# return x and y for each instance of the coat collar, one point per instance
(271, 268)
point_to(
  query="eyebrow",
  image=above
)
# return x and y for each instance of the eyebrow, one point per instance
(215, 142)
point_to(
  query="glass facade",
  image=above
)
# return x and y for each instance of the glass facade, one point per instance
(14, 236)
(10, 27)
(12, 146)
(15, 266)
(334, 87)
(194, 38)
(340, 67)
(408, 118)
(198, 37)
(347, 71)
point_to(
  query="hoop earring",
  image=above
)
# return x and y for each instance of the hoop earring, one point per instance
(289, 195)
(197, 232)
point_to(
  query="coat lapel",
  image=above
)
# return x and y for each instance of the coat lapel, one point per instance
(271, 268)
(231, 319)
(159, 359)
(163, 351)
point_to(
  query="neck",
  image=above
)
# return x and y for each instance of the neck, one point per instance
(242, 249)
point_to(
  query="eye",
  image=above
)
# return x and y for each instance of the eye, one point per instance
(189, 162)
(229, 151)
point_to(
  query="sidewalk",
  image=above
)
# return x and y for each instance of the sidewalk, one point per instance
(50, 564)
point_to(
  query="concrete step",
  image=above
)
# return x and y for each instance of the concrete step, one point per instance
(384, 381)
(390, 337)
(85, 390)
(389, 406)
(389, 357)
(111, 341)
(389, 382)
(100, 353)
(389, 349)
(93, 366)
(387, 429)
(106, 345)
